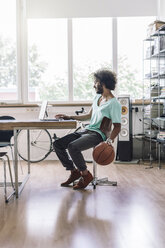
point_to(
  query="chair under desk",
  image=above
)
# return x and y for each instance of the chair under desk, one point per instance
(28, 125)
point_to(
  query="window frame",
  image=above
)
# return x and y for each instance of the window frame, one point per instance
(22, 63)
(19, 7)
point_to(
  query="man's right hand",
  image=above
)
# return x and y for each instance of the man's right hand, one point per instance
(62, 116)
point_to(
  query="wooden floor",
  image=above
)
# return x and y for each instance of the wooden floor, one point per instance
(131, 215)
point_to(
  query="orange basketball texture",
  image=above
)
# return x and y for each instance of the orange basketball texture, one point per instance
(103, 154)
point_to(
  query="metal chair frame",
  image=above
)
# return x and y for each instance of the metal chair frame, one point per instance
(102, 181)
(5, 184)
(5, 137)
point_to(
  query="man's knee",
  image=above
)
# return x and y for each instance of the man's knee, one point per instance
(72, 147)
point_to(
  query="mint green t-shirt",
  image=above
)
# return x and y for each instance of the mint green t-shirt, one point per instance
(110, 109)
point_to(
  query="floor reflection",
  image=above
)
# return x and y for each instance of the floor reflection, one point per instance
(75, 222)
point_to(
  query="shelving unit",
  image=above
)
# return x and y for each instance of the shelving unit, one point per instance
(154, 97)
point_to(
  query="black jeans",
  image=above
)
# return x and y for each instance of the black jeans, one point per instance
(75, 143)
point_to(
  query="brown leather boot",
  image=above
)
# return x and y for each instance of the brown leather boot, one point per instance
(84, 181)
(75, 174)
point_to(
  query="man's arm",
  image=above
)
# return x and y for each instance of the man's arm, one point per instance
(115, 131)
(83, 117)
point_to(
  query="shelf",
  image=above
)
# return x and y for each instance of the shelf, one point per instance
(159, 32)
(148, 39)
(154, 72)
(155, 140)
(150, 139)
(147, 118)
(158, 97)
(162, 51)
(156, 56)
(162, 141)
(157, 76)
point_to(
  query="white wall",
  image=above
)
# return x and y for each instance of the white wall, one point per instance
(161, 10)
(90, 8)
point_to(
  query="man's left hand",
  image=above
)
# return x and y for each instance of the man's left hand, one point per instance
(109, 141)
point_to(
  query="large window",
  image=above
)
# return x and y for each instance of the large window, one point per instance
(47, 59)
(8, 58)
(131, 33)
(63, 54)
(92, 50)
(89, 41)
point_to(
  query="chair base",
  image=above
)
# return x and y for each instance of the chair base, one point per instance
(103, 182)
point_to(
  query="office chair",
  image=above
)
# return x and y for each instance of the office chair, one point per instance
(5, 135)
(106, 128)
(5, 141)
(100, 181)
(4, 154)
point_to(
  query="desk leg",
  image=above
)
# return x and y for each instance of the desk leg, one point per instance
(19, 186)
(16, 163)
(159, 153)
(28, 148)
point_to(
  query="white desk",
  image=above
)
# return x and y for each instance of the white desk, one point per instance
(29, 125)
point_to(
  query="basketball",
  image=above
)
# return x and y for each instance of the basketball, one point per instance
(103, 153)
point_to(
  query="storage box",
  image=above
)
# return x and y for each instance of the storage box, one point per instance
(160, 121)
(153, 27)
(153, 111)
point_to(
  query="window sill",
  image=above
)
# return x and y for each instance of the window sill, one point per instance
(61, 104)
(19, 105)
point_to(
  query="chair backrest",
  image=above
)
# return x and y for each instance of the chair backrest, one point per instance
(5, 135)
